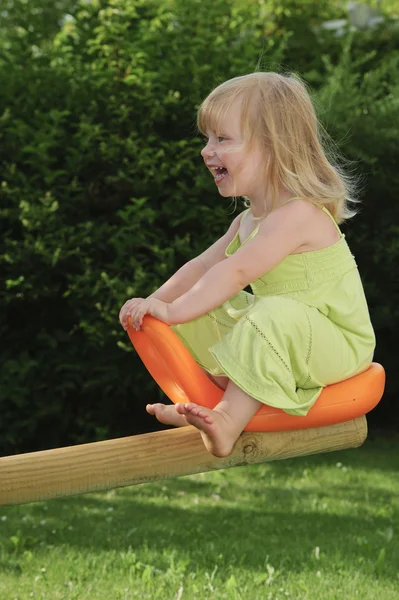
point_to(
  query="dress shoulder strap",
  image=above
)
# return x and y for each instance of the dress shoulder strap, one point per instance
(325, 210)
(319, 205)
(291, 199)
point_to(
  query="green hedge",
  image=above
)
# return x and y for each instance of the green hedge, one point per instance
(103, 192)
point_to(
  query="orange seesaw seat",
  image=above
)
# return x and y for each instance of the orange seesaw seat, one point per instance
(182, 380)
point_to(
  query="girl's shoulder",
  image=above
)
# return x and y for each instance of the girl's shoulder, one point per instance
(319, 227)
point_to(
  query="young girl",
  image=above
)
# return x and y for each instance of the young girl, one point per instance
(307, 324)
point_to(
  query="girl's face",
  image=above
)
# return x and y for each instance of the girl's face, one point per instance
(237, 171)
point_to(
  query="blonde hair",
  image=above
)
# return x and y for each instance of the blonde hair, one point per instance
(277, 112)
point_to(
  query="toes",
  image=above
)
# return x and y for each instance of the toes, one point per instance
(199, 412)
(192, 408)
(186, 407)
(154, 408)
(205, 417)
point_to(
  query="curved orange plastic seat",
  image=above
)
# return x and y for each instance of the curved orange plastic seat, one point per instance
(178, 375)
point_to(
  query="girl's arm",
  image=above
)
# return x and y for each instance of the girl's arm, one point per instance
(191, 272)
(282, 232)
(180, 282)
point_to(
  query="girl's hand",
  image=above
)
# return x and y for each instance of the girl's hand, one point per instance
(151, 306)
(126, 309)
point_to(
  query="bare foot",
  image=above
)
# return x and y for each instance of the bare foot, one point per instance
(217, 430)
(167, 414)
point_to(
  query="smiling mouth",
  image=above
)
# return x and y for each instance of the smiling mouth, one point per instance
(219, 173)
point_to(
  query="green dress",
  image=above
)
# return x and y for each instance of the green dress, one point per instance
(306, 325)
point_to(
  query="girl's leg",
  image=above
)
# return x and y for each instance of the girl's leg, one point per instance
(221, 427)
(218, 380)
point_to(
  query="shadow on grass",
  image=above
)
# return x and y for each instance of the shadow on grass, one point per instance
(237, 527)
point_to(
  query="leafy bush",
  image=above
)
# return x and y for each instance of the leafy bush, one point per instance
(98, 147)
(103, 193)
(361, 111)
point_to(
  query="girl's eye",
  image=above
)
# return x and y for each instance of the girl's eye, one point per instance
(220, 138)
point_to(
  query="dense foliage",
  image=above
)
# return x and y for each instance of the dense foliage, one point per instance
(103, 195)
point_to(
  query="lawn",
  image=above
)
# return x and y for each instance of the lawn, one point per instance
(318, 528)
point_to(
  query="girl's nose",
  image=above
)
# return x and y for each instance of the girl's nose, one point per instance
(207, 151)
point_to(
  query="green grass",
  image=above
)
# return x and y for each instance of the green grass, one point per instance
(319, 528)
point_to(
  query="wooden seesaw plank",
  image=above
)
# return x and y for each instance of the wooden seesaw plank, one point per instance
(152, 456)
